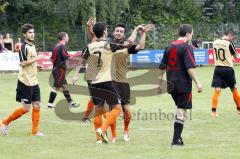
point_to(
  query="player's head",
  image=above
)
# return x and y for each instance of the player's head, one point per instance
(63, 36)
(100, 30)
(185, 31)
(28, 32)
(230, 35)
(119, 31)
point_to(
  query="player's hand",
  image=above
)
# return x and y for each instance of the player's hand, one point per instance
(199, 87)
(149, 27)
(91, 21)
(74, 80)
(140, 27)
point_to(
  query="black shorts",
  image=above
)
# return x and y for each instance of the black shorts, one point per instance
(183, 100)
(27, 94)
(124, 92)
(224, 77)
(59, 77)
(104, 91)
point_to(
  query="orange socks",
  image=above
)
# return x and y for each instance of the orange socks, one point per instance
(215, 100)
(127, 119)
(97, 121)
(111, 118)
(35, 119)
(15, 115)
(114, 129)
(236, 98)
(90, 107)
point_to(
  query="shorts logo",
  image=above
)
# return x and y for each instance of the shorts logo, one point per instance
(24, 100)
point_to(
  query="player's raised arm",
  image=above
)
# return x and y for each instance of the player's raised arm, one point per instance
(133, 37)
(91, 21)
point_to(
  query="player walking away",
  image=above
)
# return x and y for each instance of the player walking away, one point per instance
(179, 61)
(28, 91)
(59, 58)
(224, 75)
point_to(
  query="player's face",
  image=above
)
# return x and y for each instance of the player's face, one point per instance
(119, 33)
(30, 35)
(66, 38)
(189, 36)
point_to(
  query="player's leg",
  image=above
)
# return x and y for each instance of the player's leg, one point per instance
(52, 97)
(36, 98)
(230, 80)
(97, 121)
(127, 120)
(218, 83)
(215, 97)
(23, 95)
(88, 111)
(183, 102)
(68, 97)
(112, 99)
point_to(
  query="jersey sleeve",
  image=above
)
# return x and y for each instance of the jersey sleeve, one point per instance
(188, 57)
(164, 61)
(132, 49)
(23, 53)
(64, 53)
(85, 53)
(232, 49)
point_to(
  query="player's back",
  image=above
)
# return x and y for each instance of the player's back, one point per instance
(59, 56)
(100, 62)
(178, 58)
(222, 53)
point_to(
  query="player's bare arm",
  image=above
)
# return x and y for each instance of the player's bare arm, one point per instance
(192, 74)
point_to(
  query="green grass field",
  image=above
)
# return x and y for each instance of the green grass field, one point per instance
(205, 137)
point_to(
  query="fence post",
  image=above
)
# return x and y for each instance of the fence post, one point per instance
(43, 39)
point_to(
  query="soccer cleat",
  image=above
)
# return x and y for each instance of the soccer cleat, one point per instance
(99, 142)
(114, 140)
(39, 133)
(126, 136)
(74, 105)
(4, 129)
(103, 135)
(179, 142)
(86, 120)
(50, 106)
(214, 114)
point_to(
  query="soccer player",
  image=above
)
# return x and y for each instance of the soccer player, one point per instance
(224, 75)
(28, 91)
(121, 80)
(179, 61)
(59, 58)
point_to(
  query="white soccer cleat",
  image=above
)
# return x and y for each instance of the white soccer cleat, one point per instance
(114, 140)
(39, 133)
(214, 114)
(103, 135)
(126, 136)
(4, 129)
(99, 142)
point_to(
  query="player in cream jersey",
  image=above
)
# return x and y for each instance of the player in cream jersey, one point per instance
(224, 75)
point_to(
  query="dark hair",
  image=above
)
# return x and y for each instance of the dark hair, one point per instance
(230, 31)
(120, 25)
(26, 27)
(99, 29)
(61, 35)
(184, 29)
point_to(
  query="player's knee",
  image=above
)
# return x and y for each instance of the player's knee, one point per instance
(218, 90)
(36, 105)
(26, 107)
(181, 114)
(65, 88)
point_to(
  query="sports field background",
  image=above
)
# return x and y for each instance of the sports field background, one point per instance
(204, 137)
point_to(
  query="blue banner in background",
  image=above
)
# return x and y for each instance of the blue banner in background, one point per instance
(152, 58)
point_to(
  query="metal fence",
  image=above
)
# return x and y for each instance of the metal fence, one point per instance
(158, 39)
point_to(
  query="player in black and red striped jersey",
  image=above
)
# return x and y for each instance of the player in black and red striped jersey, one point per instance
(179, 61)
(59, 58)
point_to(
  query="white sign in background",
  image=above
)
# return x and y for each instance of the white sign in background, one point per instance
(9, 61)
